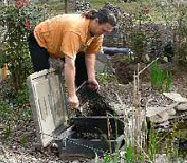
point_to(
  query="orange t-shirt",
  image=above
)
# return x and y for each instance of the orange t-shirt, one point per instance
(67, 34)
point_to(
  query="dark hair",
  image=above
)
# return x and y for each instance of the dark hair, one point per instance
(103, 15)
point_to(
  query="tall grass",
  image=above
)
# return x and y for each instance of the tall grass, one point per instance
(168, 80)
(158, 78)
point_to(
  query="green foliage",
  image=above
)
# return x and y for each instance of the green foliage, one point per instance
(138, 43)
(6, 115)
(104, 78)
(158, 78)
(108, 158)
(18, 22)
(182, 54)
(6, 111)
(22, 96)
(99, 3)
(142, 13)
(15, 108)
(153, 145)
(175, 17)
(168, 81)
(129, 153)
(23, 141)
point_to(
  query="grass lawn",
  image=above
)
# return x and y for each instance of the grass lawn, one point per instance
(132, 7)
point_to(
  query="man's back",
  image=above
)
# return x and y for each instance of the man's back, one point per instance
(50, 34)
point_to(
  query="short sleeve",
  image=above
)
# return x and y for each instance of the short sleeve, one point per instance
(70, 44)
(95, 45)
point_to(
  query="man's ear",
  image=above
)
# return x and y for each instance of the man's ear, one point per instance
(96, 21)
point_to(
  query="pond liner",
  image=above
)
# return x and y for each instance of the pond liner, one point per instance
(90, 137)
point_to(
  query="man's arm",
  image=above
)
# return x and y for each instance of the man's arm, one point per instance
(94, 47)
(90, 66)
(70, 82)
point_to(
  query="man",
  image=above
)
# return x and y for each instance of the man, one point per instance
(74, 38)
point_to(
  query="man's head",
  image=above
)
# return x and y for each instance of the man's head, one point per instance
(102, 21)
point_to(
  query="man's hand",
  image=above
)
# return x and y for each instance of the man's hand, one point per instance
(93, 84)
(73, 101)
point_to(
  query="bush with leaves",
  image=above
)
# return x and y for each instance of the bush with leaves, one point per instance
(18, 21)
(182, 32)
(175, 17)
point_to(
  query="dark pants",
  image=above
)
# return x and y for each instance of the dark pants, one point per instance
(40, 60)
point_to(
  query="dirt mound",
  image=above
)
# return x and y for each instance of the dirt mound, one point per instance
(124, 72)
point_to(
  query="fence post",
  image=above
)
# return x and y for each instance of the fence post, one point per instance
(4, 71)
(66, 6)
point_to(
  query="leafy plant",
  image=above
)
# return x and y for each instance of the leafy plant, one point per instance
(182, 54)
(6, 111)
(138, 43)
(6, 115)
(14, 108)
(175, 17)
(129, 153)
(22, 96)
(104, 77)
(23, 141)
(108, 158)
(168, 81)
(153, 145)
(157, 76)
(18, 21)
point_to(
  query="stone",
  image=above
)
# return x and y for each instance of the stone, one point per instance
(165, 123)
(154, 110)
(182, 106)
(161, 114)
(159, 118)
(175, 97)
(171, 112)
(75, 161)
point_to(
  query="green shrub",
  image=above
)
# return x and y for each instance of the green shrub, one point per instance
(18, 21)
(138, 43)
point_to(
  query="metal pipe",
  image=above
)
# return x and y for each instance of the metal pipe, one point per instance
(97, 117)
(113, 50)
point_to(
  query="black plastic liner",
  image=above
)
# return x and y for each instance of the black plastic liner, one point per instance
(92, 135)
